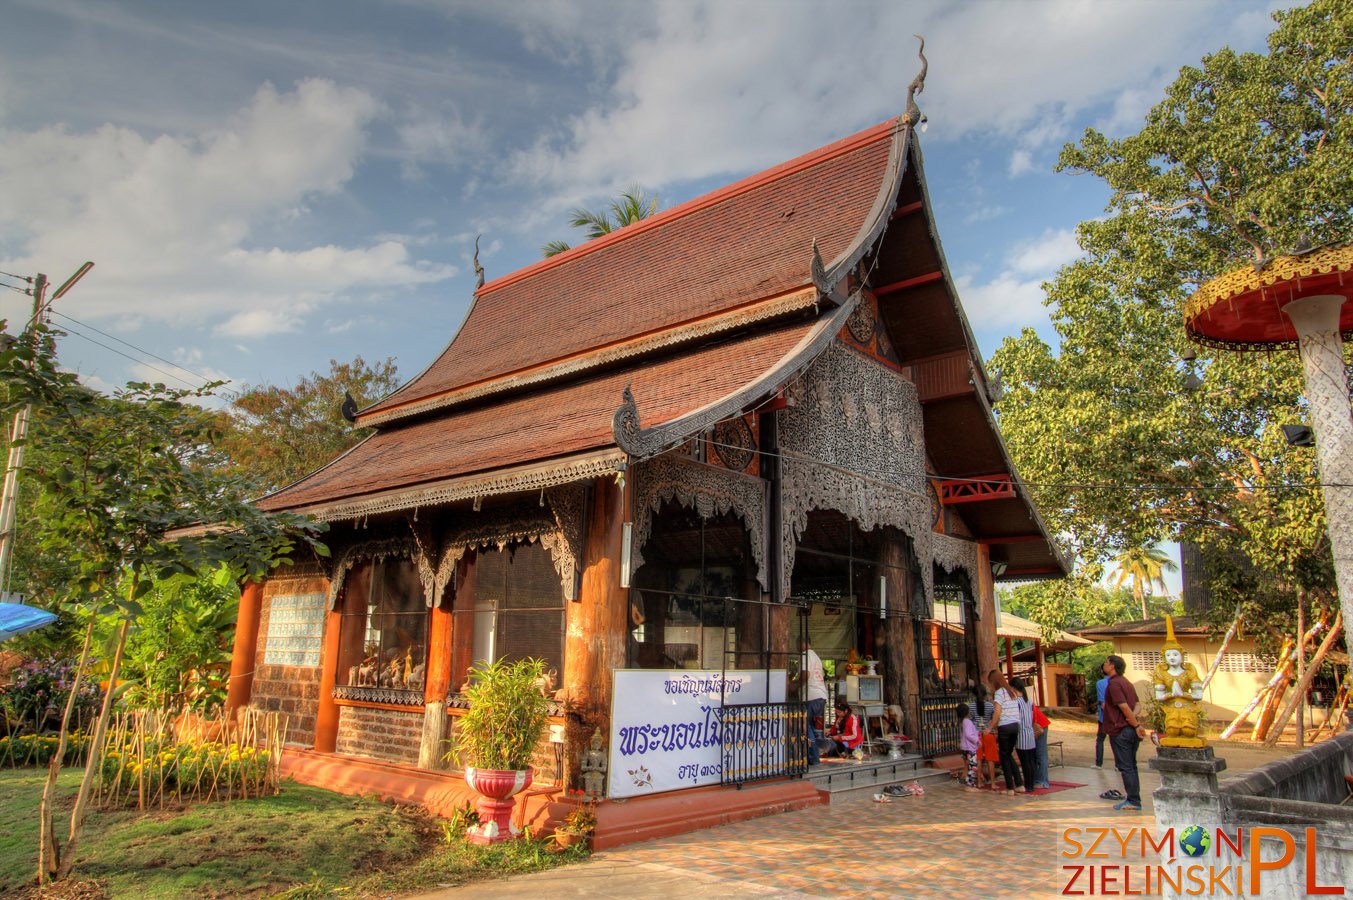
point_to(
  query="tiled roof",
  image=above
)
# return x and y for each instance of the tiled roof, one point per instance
(543, 424)
(739, 245)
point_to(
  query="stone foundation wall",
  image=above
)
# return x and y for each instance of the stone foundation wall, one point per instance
(388, 734)
(290, 690)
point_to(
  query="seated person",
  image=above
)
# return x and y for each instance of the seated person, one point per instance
(846, 734)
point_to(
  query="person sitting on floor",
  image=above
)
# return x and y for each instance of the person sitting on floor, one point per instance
(846, 733)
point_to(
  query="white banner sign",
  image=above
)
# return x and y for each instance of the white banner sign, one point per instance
(665, 725)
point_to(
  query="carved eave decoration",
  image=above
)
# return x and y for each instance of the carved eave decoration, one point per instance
(853, 442)
(532, 477)
(556, 521)
(710, 491)
(385, 545)
(955, 555)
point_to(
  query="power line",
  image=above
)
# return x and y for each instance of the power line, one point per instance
(125, 343)
(196, 387)
(25, 278)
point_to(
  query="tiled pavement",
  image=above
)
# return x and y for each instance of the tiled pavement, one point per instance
(950, 843)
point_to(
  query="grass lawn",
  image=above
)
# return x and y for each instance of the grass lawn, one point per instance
(303, 843)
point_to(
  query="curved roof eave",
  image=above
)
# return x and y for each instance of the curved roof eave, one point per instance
(979, 369)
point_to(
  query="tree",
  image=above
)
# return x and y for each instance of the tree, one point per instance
(178, 653)
(279, 434)
(631, 206)
(136, 492)
(1247, 156)
(1142, 569)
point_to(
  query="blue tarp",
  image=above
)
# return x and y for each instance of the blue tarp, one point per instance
(17, 619)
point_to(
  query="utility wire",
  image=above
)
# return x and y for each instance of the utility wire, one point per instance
(142, 350)
(177, 378)
(25, 278)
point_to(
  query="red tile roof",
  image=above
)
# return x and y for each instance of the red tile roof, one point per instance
(543, 424)
(744, 243)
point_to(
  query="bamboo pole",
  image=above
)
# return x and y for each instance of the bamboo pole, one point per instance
(1225, 642)
(1263, 692)
(1305, 682)
(1301, 676)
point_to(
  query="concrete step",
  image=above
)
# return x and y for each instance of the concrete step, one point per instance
(872, 775)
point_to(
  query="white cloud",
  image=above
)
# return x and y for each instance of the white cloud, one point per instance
(170, 218)
(715, 87)
(1014, 298)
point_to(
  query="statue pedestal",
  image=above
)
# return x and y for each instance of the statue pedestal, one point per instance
(1188, 790)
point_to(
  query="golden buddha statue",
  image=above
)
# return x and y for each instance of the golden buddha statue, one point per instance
(1179, 691)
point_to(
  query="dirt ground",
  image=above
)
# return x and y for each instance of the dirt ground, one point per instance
(1078, 736)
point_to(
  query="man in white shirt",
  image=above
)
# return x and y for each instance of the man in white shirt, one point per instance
(815, 694)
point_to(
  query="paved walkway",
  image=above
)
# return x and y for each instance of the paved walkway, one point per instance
(950, 843)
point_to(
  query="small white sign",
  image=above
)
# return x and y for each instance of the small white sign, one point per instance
(666, 724)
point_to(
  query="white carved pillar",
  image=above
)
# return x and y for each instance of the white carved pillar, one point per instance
(1317, 323)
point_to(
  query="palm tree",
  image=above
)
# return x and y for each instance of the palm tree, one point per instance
(631, 206)
(1143, 568)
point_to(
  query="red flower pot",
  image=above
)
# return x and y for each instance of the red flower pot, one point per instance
(496, 788)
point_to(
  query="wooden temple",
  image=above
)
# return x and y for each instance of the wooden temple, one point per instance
(677, 449)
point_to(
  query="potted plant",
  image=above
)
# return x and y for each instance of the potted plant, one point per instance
(496, 739)
(578, 826)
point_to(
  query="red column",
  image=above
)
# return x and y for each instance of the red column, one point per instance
(245, 655)
(439, 654)
(326, 719)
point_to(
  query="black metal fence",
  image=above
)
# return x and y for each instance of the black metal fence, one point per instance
(940, 723)
(763, 740)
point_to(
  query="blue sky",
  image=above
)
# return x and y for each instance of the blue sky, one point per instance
(265, 186)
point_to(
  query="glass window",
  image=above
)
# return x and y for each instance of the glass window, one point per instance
(517, 610)
(383, 637)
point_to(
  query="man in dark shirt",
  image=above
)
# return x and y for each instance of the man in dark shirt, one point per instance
(1124, 729)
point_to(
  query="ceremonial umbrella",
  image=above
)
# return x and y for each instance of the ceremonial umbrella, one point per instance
(17, 619)
(1298, 301)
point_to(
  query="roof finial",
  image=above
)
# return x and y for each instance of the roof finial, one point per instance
(913, 116)
(478, 269)
(818, 269)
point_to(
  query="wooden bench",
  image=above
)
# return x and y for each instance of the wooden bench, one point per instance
(1060, 755)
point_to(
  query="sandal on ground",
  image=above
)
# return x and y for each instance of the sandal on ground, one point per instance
(1127, 806)
(1112, 794)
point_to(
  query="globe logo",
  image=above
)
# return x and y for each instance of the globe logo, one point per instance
(1195, 841)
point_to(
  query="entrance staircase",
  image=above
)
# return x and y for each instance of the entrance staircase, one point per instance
(852, 779)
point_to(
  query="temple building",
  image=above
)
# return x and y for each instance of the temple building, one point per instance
(665, 455)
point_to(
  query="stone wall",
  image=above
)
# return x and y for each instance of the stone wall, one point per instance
(388, 734)
(290, 690)
(1315, 775)
(1275, 804)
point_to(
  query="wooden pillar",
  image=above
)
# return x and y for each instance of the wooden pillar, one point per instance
(433, 746)
(901, 686)
(1041, 675)
(1009, 660)
(987, 654)
(594, 642)
(326, 718)
(245, 655)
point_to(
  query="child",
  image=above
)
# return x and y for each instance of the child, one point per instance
(968, 742)
(845, 734)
